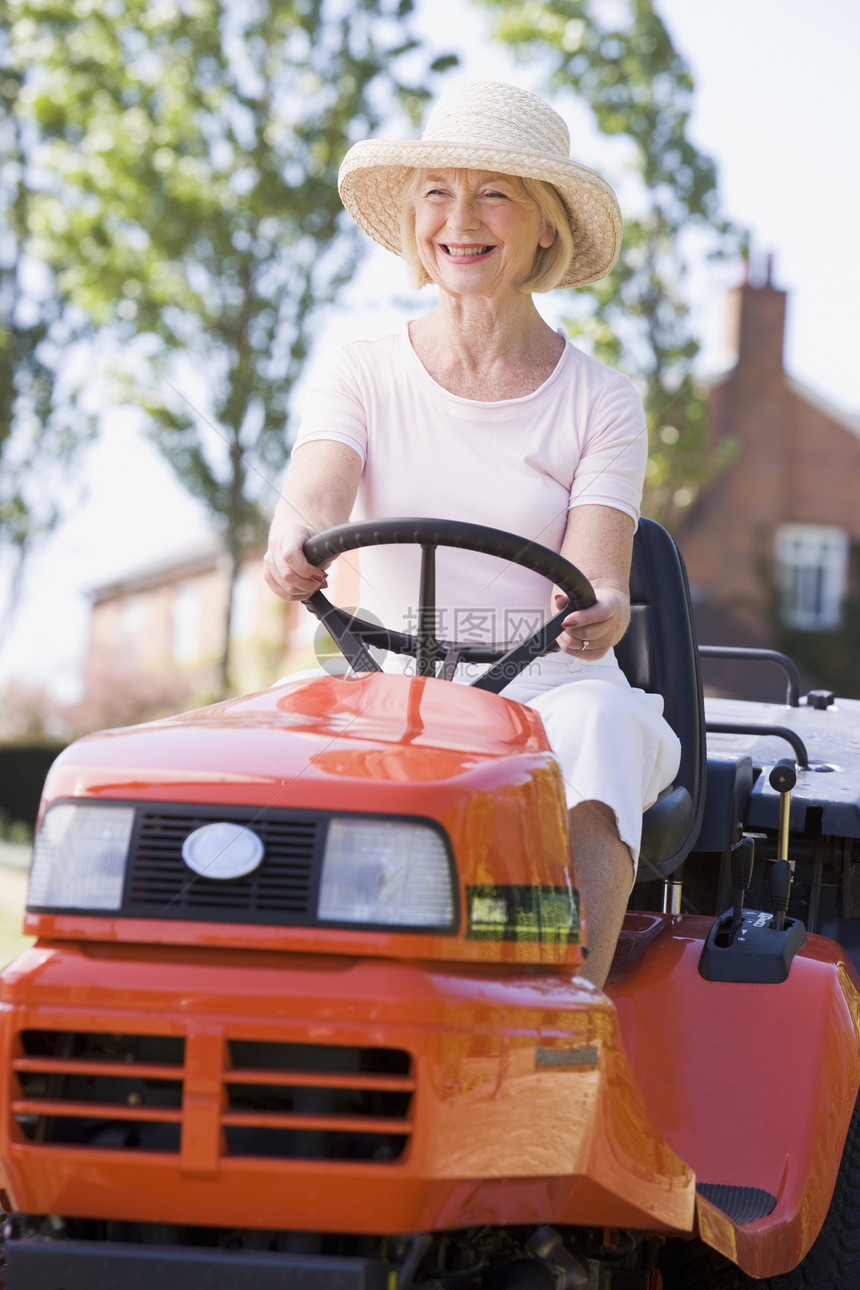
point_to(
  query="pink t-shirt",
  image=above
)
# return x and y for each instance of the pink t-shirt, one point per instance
(517, 464)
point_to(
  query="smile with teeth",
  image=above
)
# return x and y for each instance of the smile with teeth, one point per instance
(459, 252)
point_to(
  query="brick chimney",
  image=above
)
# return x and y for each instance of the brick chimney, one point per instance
(756, 323)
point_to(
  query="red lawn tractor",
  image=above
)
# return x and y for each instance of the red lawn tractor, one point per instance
(305, 1009)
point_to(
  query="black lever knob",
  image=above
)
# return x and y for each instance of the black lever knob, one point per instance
(783, 776)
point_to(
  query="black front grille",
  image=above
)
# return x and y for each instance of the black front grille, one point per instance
(278, 1101)
(97, 1090)
(283, 888)
(317, 1101)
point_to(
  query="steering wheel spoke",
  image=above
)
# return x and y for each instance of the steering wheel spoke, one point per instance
(353, 634)
(518, 658)
(339, 628)
(427, 612)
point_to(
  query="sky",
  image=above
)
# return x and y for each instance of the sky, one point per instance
(777, 105)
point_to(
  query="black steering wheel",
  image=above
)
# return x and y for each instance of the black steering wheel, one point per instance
(353, 635)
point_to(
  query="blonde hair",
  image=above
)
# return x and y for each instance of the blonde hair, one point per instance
(550, 262)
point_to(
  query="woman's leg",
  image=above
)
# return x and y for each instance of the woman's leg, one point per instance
(615, 753)
(604, 877)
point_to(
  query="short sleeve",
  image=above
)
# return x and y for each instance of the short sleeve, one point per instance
(333, 406)
(611, 469)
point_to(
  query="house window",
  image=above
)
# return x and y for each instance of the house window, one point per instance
(245, 597)
(812, 565)
(132, 616)
(186, 623)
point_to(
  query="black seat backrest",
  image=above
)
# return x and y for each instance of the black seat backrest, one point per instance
(659, 654)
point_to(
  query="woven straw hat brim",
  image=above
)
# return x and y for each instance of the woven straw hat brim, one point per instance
(374, 175)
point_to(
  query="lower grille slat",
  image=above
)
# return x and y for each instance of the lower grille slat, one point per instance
(96, 1110)
(394, 1084)
(355, 1125)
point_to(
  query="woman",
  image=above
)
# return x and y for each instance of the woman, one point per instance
(479, 411)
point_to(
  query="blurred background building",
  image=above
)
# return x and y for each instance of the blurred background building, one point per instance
(771, 543)
(158, 630)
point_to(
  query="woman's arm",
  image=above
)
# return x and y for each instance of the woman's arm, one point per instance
(599, 541)
(319, 492)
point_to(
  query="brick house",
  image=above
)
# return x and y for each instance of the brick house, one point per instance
(158, 630)
(768, 544)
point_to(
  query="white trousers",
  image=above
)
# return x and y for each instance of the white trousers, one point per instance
(611, 740)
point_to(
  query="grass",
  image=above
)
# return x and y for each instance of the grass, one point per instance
(13, 890)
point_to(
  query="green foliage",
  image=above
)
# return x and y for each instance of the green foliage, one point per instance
(42, 422)
(618, 57)
(16, 832)
(191, 151)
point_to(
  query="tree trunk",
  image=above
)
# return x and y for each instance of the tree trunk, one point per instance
(232, 560)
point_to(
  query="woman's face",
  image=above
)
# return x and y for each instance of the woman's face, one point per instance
(477, 232)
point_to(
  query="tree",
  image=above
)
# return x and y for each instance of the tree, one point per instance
(195, 146)
(619, 58)
(42, 420)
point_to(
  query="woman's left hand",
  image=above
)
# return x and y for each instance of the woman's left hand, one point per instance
(589, 633)
(599, 541)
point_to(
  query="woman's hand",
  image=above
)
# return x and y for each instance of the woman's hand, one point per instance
(599, 541)
(319, 492)
(589, 633)
(285, 568)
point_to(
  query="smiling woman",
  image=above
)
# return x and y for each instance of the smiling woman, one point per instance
(479, 412)
(488, 192)
(494, 127)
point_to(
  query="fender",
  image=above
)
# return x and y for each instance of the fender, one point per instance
(724, 1073)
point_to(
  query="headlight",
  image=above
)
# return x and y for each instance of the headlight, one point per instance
(386, 871)
(79, 857)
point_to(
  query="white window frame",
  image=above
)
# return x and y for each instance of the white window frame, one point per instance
(246, 599)
(133, 614)
(812, 569)
(185, 622)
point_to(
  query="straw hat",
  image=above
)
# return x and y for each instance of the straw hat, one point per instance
(487, 125)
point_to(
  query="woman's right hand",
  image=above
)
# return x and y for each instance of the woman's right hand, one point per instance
(285, 568)
(319, 492)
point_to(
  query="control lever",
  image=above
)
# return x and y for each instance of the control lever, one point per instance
(747, 945)
(783, 778)
(743, 858)
(780, 890)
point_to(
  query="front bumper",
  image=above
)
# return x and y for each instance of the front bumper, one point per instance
(320, 1094)
(39, 1264)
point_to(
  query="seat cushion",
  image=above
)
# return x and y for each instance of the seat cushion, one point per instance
(665, 826)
